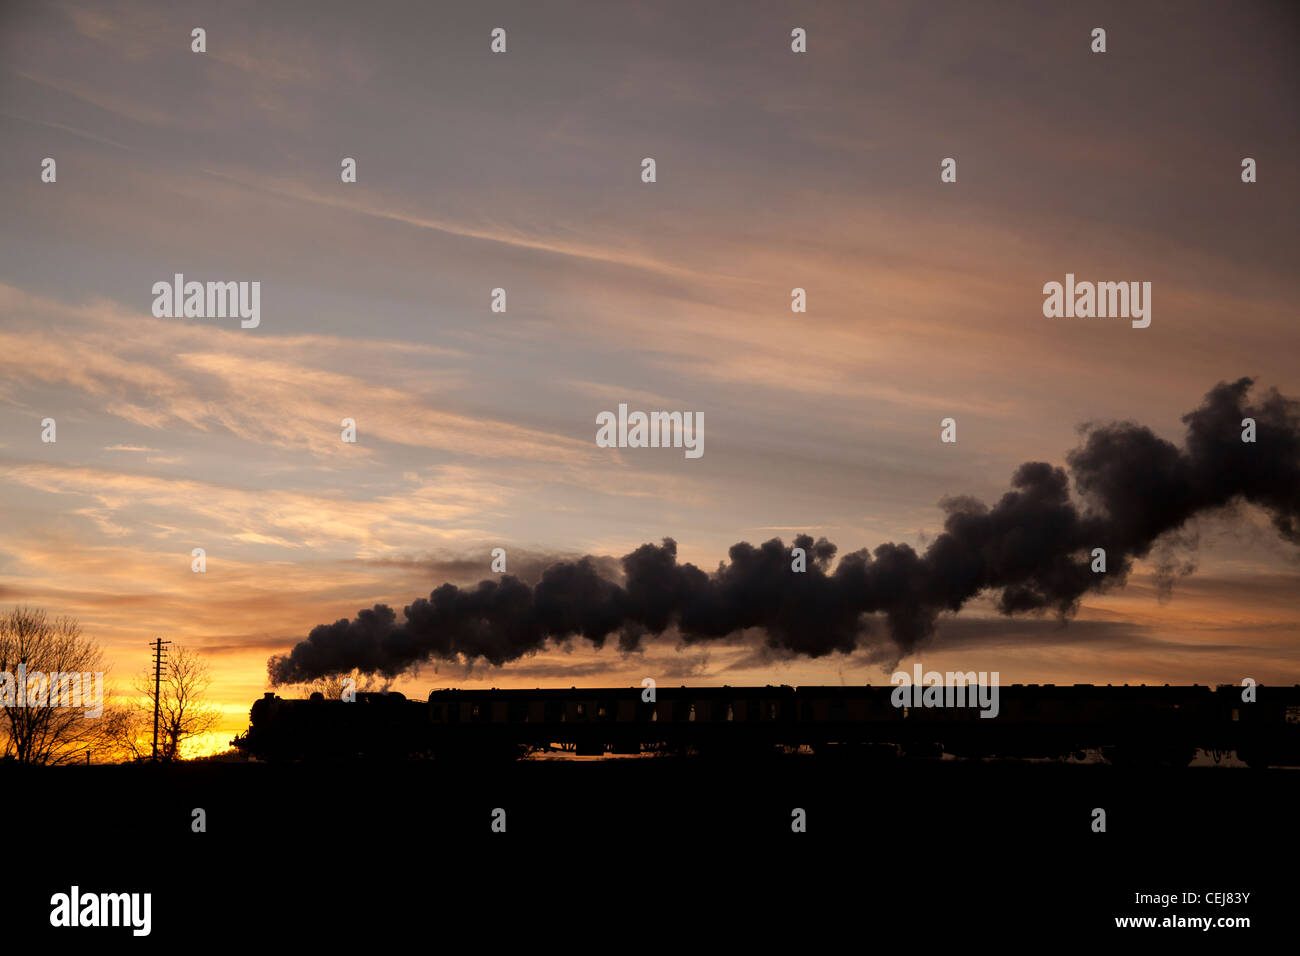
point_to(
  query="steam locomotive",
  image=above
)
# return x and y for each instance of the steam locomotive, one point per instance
(1130, 725)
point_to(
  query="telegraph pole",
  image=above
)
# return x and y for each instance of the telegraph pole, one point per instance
(159, 658)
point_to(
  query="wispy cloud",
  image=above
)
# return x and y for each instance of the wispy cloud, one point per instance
(255, 388)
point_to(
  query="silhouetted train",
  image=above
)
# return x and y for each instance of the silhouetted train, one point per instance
(1129, 725)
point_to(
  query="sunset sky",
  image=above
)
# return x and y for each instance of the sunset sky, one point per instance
(522, 170)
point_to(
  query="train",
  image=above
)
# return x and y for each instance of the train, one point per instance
(1132, 725)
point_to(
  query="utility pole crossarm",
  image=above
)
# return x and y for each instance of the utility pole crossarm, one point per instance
(158, 661)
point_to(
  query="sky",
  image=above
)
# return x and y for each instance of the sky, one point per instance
(522, 170)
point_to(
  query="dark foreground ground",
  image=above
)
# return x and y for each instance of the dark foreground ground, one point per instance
(684, 854)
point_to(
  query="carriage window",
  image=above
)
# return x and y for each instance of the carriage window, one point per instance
(437, 711)
(582, 711)
(771, 711)
(691, 716)
(554, 711)
(518, 711)
(753, 711)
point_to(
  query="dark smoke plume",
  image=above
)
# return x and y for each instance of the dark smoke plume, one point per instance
(1033, 548)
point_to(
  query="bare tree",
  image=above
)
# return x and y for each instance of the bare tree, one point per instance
(183, 714)
(334, 686)
(51, 689)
